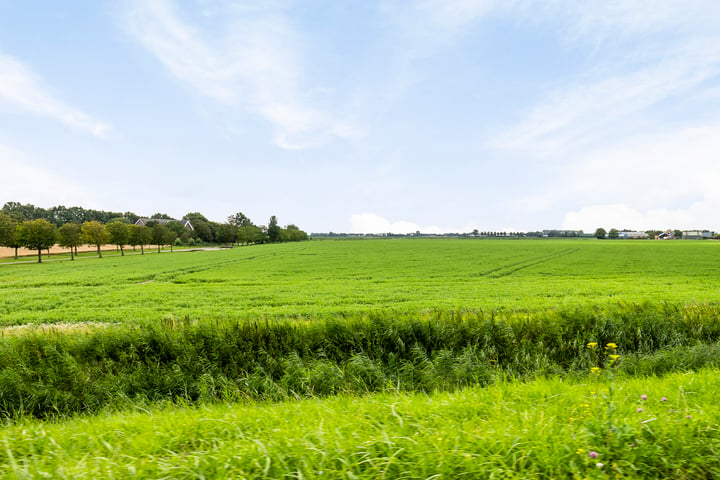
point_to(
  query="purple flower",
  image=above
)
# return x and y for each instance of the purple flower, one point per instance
(593, 454)
(688, 416)
(639, 410)
(643, 397)
(663, 399)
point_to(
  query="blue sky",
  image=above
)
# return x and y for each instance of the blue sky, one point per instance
(367, 116)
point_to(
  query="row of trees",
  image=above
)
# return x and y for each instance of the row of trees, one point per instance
(40, 234)
(203, 230)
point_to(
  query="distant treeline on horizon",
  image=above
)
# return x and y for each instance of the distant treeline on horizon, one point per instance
(202, 229)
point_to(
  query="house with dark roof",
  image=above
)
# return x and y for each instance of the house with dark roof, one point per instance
(164, 221)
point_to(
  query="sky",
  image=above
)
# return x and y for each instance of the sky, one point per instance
(367, 116)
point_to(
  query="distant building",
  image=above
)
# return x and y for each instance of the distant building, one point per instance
(696, 234)
(632, 235)
(164, 221)
(666, 235)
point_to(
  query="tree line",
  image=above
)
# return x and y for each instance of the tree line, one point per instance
(39, 229)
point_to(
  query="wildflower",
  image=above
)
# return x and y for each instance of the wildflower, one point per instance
(688, 416)
(580, 451)
(592, 454)
(663, 399)
(592, 345)
(611, 346)
(639, 410)
(595, 370)
(643, 397)
(599, 465)
(614, 357)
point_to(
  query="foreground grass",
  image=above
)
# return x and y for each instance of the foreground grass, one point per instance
(544, 429)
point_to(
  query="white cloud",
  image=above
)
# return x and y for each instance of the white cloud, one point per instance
(22, 89)
(254, 62)
(622, 216)
(372, 223)
(657, 181)
(22, 181)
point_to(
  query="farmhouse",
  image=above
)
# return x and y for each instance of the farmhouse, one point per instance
(164, 221)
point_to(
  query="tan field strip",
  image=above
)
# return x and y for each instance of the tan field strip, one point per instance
(10, 252)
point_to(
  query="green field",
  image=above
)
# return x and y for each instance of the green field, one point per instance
(397, 358)
(330, 278)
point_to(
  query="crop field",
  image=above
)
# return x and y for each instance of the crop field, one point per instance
(396, 358)
(330, 278)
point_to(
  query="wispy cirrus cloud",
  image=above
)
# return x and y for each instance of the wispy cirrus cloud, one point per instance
(22, 89)
(243, 58)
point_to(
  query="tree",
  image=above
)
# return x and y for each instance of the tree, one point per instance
(227, 233)
(69, 235)
(240, 220)
(294, 234)
(613, 234)
(139, 235)
(119, 234)
(37, 235)
(8, 232)
(201, 225)
(95, 233)
(273, 229)
(600, 233)
(162, 235)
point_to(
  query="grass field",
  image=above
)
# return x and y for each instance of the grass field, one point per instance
(412, 358)
(329, 278)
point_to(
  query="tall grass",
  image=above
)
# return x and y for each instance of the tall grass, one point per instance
(54, 373)
(541, 429)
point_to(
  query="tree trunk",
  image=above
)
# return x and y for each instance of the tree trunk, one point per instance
(16, 254)
(142, 249)
(99, 252)
(39, 255)
(122, 251)
(158, 248)
(72, 257)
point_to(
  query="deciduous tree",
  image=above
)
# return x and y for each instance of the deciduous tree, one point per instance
(95, 233)
(162, 235)
(139, 235)
(37, 235)
(227, 233)
(8, 232)
(69, 235)
(119, 234)
(273, 229)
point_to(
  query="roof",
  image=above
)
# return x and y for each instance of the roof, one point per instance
(164, 221)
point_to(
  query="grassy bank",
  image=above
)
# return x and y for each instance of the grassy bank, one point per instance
(58, 372)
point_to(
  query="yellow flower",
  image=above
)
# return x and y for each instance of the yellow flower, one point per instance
(595, 370)
(592, 345)
(580, 451)
(614, 357)
(611, 345)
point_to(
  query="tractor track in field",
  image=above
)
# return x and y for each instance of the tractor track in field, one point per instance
(507, 270)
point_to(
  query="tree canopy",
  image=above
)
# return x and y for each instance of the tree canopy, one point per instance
(37, 235)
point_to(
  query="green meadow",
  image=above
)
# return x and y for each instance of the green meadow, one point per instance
(321, 279)
(396, 358)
